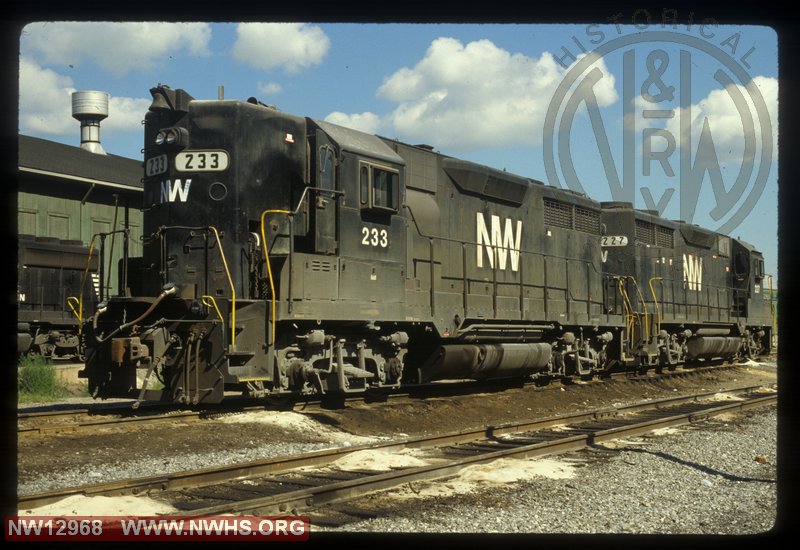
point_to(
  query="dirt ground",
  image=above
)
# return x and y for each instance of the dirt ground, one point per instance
(455, 413)
(405, 417)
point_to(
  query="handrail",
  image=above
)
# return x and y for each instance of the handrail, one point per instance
(500, 247)
(266, 252)
(541, 254)
(233, 288)
(83, 285)
(655, 301)
(593, 266)
(163, 228)
(630, 314)
(213, 303)
(646, 311)
(74, 312)
(269, 270)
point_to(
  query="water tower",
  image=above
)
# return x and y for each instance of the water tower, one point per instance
(89, 108)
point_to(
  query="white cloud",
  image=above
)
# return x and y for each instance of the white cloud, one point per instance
(369, 123)
(270, 88)
(116, 47)
(125, 114)
(477, 95)
(45, 104)
(293, 46)
(725, 122)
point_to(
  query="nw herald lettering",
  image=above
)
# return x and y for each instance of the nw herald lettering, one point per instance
(501, 244)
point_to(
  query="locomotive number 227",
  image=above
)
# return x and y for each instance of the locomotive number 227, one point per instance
(374, 237)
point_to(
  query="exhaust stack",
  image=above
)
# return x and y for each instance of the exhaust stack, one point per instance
(89, 108)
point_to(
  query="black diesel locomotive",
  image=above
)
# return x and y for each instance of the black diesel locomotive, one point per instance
(284, 254)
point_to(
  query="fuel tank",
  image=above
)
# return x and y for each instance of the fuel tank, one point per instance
(482, 361)
(708, 347)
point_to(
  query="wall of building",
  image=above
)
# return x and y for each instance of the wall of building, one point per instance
(45, 216)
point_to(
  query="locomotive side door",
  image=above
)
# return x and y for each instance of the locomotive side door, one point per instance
(740, 280)
(325, 204)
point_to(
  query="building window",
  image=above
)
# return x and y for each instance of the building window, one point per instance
(26, 222)
(58, 226)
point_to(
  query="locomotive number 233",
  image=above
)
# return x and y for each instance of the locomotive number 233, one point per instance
(374, 237)
(201, 161)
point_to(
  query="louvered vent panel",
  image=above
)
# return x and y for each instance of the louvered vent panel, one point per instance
(557, 214)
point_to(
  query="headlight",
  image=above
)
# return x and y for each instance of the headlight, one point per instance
(173, 137)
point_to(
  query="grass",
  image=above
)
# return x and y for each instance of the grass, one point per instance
(37, 381)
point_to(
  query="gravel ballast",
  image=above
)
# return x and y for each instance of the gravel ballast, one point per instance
(714, 477)
(717, 477)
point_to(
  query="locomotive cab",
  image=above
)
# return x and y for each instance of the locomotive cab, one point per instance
(752, 295)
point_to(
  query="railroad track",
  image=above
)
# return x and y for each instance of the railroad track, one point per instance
(104, 416)
(306, 482)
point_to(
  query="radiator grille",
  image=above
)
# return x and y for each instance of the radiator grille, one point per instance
(645, 232)
(587, 220)
(664, 237)
(569, 216)
(557, 214)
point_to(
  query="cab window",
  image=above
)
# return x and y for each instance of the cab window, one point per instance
(326, 167)
(379, 187)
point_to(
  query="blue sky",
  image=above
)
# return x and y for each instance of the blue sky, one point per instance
(479, 92)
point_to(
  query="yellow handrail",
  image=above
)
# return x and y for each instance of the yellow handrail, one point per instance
(655, 301)
(269, 269)
(213, 303)
(646, 312)
(630, 315)
(79, 313)
(74, 312)
(233, 288)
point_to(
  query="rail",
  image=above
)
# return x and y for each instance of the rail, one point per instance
(699, 406)
(495, 448)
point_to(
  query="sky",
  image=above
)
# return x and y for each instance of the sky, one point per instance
(681, 118)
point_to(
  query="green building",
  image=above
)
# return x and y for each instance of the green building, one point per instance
(72, 193)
